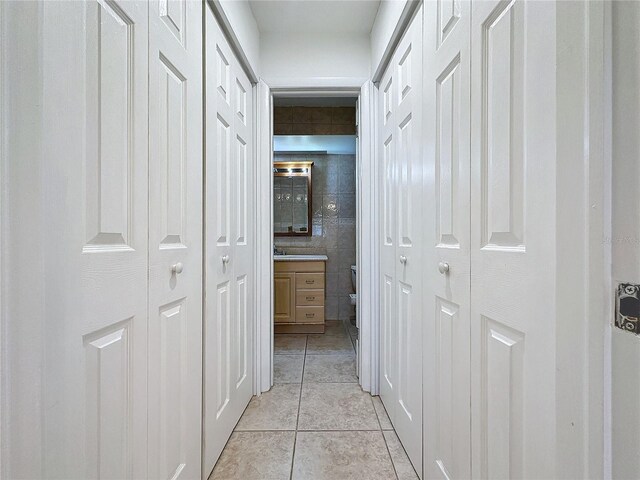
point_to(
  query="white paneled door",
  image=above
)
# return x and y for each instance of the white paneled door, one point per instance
(513, 249)
(229, 258)
(94, 374)
(401, 246)
(489, 130)
(447, 432)
(175, 239)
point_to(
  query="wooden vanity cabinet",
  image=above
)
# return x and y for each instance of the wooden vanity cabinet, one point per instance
(299, 290)
(284, 286)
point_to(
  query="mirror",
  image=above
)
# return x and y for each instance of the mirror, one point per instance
(292, 199)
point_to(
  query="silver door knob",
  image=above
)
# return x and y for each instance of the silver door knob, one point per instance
(443, 267)
(177, 268)
(225, 259)
(403, 259)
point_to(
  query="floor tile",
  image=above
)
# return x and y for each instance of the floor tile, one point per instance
(334, 328)
(330, 369)
(287, 368)
(341, 455)
(276, 409)
(329, 345)
(289, 344)
(332, 323)
(385, 423)
(336, 406)
(399, 457)
(256, 456)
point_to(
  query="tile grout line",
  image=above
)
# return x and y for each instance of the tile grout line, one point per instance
(384, 439)
(295, 433)
(315, 430)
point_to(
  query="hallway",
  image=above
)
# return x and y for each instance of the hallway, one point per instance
(316, 422)
(199, 196)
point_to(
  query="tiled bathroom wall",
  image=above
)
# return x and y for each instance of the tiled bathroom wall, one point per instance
(333, 184)
(314, 120)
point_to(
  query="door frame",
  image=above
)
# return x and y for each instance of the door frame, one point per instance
(366, 251)
(2, 233)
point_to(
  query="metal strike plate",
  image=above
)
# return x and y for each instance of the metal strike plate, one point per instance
(628, 307)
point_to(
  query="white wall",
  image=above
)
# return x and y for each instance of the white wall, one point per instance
(302, 60)
(241, 20)
(384, 28)
(625, 238)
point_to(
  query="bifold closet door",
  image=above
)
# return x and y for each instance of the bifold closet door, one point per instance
(175, 240)
(447, 137)
(94, 390)
(229, 258)
(401, 178)
(513, 238)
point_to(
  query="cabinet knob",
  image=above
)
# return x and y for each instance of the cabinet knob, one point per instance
(225, 259)
(443, 267)
(177, 268)
(403, 259)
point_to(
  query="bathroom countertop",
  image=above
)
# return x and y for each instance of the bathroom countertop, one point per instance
(300, 258)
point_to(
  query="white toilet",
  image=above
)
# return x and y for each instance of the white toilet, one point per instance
(353, 296)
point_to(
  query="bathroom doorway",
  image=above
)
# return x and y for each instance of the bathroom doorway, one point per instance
(336, 144)
(314, 239)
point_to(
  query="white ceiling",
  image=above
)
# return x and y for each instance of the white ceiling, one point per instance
(315, 16)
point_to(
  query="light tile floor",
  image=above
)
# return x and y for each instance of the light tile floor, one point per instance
(316, 422)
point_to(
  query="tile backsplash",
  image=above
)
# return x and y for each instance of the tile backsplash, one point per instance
(333, 183)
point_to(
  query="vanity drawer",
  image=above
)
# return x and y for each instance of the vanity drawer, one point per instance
(310, 280)
(309, 314)
(310, 297)
(293, 266)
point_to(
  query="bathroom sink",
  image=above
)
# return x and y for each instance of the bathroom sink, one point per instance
(299, 258)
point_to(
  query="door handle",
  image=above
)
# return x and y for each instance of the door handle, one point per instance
(403, 259)
(177, 268)
(225, 259)
(443, 267)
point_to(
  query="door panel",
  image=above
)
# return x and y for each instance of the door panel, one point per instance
(502, 164)
(387, 245)
(175, 236)
(512, 229)
(92, 373)
(244, 244)
(409, 244)
(220, 310)
(401, 271)
(502, 352)
(447, 332)
(229, 204)
(173, 377)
